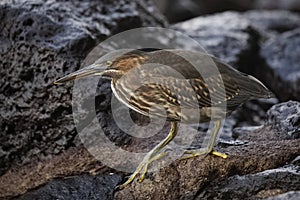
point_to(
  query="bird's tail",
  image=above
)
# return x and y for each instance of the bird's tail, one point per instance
(254, 87)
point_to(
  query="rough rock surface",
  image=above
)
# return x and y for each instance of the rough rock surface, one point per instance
(286, 118)
(271, 23)
(40, 42)
(177, 11)
(278, 4)
(233, 43)
(239, 40)
(74, 161)
(282, 70)
(294, 195)
(262, 149)
(77, 188)
(254, 186)
(276, 64)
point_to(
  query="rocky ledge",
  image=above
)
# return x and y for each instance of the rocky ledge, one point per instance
(264, 165)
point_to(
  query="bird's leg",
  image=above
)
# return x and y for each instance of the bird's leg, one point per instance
(198, 152)
(153, 155)
(158, 156)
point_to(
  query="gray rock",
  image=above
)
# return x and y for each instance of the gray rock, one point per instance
(278, 4)
(254, 186)
(228, 36)
(293, 195)
(77, 188)
(296, 161)
(282, 71)
(40, 42)
(68, 25)
(177, 11)
(285, 117)
(248, 117)
(272, 23)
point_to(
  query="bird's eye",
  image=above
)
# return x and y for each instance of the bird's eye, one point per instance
(109, 63)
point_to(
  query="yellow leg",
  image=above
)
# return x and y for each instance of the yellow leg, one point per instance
(153, 155)
(222, 155)
(158, 156)
(194, 153)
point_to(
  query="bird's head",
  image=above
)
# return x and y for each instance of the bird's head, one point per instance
(114, 68)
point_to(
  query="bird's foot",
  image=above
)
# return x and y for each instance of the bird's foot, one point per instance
(156, 153)
(195, 153)
(222, 155)
(142, 169)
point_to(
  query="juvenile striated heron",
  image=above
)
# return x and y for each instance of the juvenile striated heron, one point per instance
(173, 92)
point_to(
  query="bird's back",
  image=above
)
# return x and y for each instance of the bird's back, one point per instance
(179, 84)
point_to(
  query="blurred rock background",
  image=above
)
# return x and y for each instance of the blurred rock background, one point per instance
(41, 155)
(176, 11)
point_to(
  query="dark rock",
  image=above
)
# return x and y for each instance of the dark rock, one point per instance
(282, 71)
(296, 161)
(285, 117)
(278, 4)
(273, 22)
(77, 188)
(253, 112)
(254, 186)
(274, 55)
(228, 36)
(40, 42)
(75, 161)
(177, 11)
(248, 117)
(293, 195)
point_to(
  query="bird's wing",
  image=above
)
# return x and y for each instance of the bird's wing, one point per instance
(182, 64)
(189, 93)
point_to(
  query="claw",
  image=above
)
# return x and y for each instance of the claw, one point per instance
(142, 177)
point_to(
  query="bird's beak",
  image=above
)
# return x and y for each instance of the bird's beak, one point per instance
(94, 69)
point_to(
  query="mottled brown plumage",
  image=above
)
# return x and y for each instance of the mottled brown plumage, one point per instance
(186, 86)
